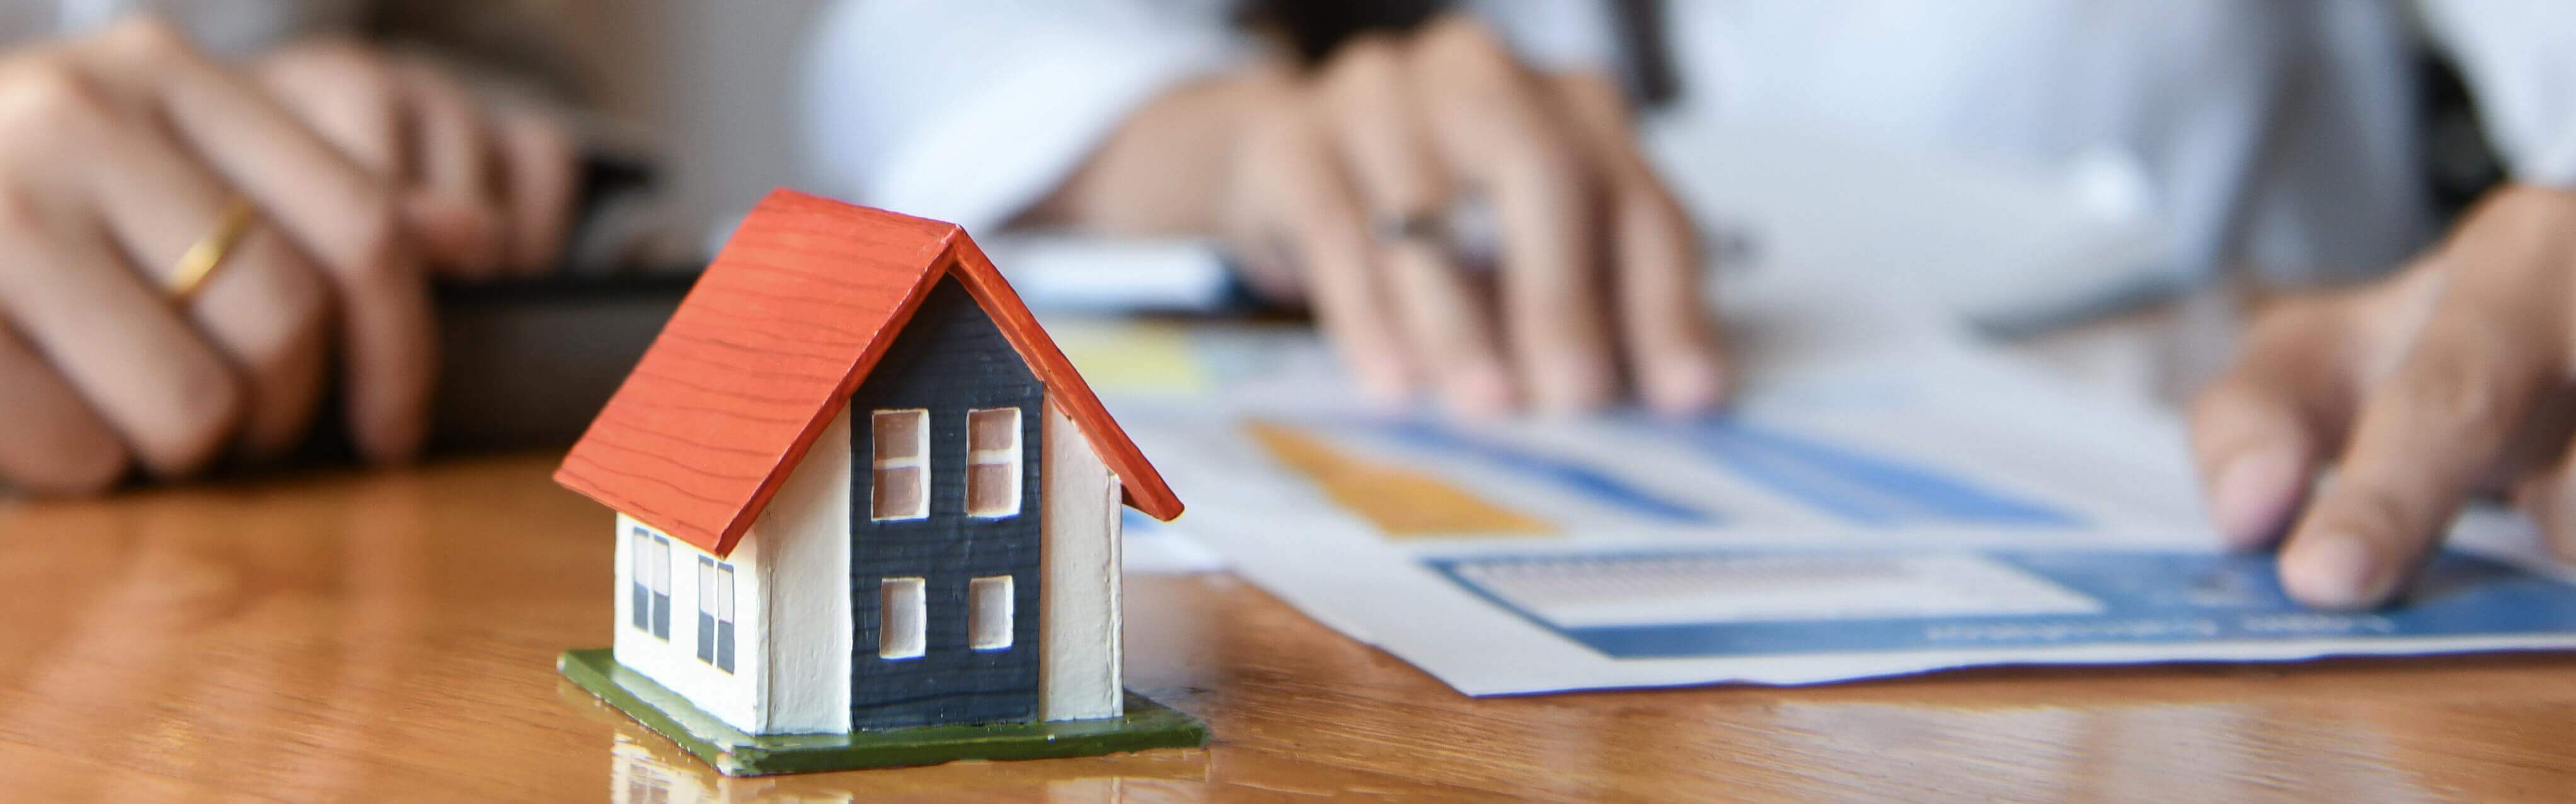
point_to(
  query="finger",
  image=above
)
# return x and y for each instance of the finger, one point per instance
(1444, 319)
(1672, 339)
(1371, 112)
(2260, 430)
(1486, 122)
(539, 169)
(334, 210)
(451, 235)
(264, 309)
(2423, 439)
(1295, 181)
(52, 443)
(457, 163)
(269, 314)
(349, 97)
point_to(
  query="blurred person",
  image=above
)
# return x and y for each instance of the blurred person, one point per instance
(2275, 139)
(205, 206)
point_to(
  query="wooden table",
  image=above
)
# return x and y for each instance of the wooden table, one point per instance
(391, 636)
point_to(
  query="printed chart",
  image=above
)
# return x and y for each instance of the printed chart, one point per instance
(1745, 603)
(1856, 486)
(1842, 483)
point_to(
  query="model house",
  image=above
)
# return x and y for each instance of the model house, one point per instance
(858, 489)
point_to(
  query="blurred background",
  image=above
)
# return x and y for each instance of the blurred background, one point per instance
(1490, 204)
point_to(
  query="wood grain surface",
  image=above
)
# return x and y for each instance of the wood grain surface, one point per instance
(391, 636)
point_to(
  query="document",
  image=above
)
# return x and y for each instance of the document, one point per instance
(1878, 503)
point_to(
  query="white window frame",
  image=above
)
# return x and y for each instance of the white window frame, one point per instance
(657, 579)
(990, 607)
(715, 613)
(1009, 457)
(919, 461)
(903, 618)
(639, 564)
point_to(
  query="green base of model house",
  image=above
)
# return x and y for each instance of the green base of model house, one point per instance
(1146, 725)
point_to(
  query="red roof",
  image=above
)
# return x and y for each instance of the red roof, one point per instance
(769, 346)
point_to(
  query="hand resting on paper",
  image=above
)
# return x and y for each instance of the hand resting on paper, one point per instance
(2449, 379)
(1333, 185)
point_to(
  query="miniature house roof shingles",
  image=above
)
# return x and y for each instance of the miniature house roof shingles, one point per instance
(768, 347)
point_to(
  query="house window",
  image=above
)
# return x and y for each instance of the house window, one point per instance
(651, 602)
(639, 546)
(993, 462)
(715, 613)
(903, 621)
(988, 613)
(902, 476)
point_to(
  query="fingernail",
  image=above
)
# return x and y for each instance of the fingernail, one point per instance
(1685, 386)
(1571, 385)
(1382, 383)
(1479, 390)
(2334, 571)
(2252, 494)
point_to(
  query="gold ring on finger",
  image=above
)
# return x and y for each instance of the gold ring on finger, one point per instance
(199, 263)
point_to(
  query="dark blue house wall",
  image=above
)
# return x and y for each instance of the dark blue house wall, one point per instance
(949, 359)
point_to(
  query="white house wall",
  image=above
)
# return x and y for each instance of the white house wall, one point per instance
(730, 697)
(1079, 651)
(806, 530)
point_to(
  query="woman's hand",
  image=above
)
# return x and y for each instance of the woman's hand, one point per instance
(484, 189)
(2450, 378)
(1333, 186)
(121, 151)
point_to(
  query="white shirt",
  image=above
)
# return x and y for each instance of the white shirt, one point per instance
(2277, 135)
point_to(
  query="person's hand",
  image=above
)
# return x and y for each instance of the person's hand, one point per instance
(118, 153)
(485, 189)
(2447, 380)
(1331, 186)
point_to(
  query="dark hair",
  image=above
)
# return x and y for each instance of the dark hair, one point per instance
(1313, 28)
